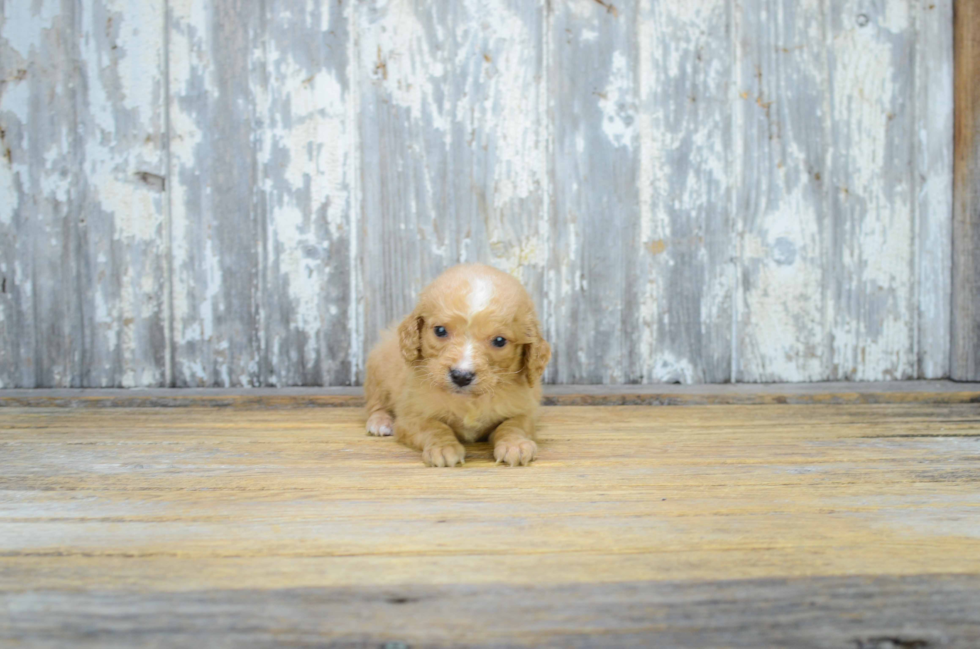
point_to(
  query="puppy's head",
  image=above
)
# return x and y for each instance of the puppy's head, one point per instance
(474, 329)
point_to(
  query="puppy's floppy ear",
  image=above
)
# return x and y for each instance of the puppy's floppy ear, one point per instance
(537, 353)
(410, 337)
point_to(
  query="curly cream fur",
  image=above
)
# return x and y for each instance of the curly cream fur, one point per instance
(408, 387)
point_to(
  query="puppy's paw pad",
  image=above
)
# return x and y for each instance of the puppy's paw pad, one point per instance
(518, 452)
(380, 424)
(444, 455)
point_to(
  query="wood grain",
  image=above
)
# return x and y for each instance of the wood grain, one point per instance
(37, 308)
(781, 122)
(226, 193)
(831, 612)
(306, 159)
(119, 273)
(593, 304)
(871, 286)
(217, 217)
(965, 345)
(452, 146)
(901, 392)
(933, 183)
(685, 274)
(126, 521)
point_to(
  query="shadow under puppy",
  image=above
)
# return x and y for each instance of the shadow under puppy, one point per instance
(464, 366)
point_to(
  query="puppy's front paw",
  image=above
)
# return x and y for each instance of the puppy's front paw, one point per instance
(380, 424)
(444, 454)
(515, 452)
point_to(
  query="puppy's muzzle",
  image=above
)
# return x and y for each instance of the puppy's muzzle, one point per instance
(461, 378)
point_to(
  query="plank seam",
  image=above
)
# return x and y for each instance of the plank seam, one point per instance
(355, 305)
(168, 303)
(914, 187)
(735, 169)
(547, 154)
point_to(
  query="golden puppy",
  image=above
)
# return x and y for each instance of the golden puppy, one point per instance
(466, 364)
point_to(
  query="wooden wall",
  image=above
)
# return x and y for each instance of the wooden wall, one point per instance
(241, 193)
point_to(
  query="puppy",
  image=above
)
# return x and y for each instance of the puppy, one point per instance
(464, 366)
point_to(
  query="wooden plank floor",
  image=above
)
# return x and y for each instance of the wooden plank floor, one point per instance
(766, 525)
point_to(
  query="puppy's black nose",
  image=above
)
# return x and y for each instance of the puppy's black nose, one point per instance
(460, 378)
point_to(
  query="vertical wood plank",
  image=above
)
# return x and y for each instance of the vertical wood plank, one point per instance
(780, 172)
(218, 220)
(932, 138)
(121, 185)
(498, 140)
(305, 169)
(451, 146)
(686, 272)
(595, 220)
(41, 328)
(408, 229)
(872, 288)
(965, 347)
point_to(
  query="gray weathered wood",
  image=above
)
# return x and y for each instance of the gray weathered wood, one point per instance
(685, 274)
(499, 137)
(870, 288)
(306, 172)
(696, 191)
(865, 612)
(965, 344)
(404, 63)
(452, 146)
(42, 323)
(780, 122)
(714, 394)
(81, 184)
(120, 124)
(593, 297)
(933, 182)
(261, 201)
(217, 213)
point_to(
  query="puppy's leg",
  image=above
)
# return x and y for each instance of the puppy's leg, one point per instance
(377, 396)
(436, 440)
(380, 423)
(513, 441)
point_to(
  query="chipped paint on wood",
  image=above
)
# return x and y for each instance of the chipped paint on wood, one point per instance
(304, 161)
(872, 280)
(120, 117)
(685, 274)
(592, 288)
(692, 191)
(780, 137)
(81, 114)
(452, 144)
(933, 182)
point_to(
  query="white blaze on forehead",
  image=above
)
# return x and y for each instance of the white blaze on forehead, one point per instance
(481, 291)
(466, 362)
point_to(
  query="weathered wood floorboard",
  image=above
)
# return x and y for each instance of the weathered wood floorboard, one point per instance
(744, 526)
(909, 392)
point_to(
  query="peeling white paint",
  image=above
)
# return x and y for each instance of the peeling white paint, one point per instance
(617, 104)
(471, 106)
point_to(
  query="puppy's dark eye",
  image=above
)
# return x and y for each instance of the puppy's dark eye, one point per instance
(441, 332)
(499, 341)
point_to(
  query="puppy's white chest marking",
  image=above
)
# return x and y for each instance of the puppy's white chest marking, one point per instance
(481, 292)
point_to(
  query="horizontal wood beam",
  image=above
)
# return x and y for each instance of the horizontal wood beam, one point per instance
(923, 392)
